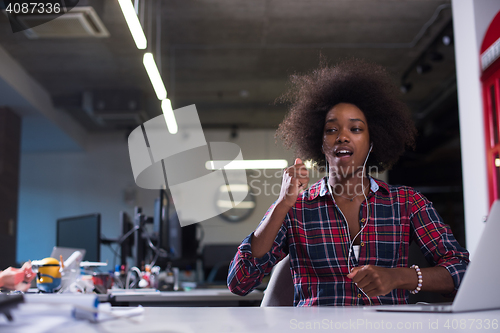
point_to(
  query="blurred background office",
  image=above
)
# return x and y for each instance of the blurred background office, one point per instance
(70, 94)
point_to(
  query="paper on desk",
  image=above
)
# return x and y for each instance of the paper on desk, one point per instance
(106, 312)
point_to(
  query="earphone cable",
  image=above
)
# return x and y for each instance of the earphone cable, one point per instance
(367, 214)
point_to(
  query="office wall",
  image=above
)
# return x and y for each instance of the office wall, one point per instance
(254, 145)
(471, 19)
(61, 184)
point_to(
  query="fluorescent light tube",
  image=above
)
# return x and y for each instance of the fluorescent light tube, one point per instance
(154, 76)
(133, 24)
(235, 188)
(168, 113)
(230, 204)
(246, 164)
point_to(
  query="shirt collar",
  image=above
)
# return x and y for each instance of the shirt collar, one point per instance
(320, 188)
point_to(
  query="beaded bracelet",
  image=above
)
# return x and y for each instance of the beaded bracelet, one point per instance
(419, 276)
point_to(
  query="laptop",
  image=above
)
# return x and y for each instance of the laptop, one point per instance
(478, 290)
(66, 253)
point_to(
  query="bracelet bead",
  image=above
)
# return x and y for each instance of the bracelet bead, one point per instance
(419, 277)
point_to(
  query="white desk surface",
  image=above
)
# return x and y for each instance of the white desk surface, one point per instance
(281, 319)
(194, 295)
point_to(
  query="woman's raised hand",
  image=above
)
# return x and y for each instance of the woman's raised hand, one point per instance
(295, 180)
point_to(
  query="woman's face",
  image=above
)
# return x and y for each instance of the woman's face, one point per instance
(346, 139)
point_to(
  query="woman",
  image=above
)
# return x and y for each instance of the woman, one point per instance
(348, 235)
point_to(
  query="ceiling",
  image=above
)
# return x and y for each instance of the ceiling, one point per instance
(233, 58)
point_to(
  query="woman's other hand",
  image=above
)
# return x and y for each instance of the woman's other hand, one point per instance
(17, 278)
(374, 280)
(11, 277)
(28, 272)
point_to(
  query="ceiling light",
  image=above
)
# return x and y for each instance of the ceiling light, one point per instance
(246, 164)
(154, 76)
(405, 87)
(168, 113)
(235, 188)
(423, 68)
(133, 24)
(497, 162)
(447, 40)
(230, 204)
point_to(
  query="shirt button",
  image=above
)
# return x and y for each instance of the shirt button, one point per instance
(359, 295)
(363, 219)
(362, 244)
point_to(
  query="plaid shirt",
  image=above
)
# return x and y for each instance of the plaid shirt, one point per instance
(315, 236)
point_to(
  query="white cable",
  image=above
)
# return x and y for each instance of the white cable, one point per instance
(128, 314)
(367, 214)
(129, 274)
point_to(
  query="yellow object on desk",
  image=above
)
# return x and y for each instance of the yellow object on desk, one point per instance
(49, 275)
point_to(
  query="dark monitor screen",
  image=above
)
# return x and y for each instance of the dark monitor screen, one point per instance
(127, 243)
(161, 227)
(179, 242)
(81, 232)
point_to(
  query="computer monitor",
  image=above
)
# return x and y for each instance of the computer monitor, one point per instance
(161, 222)
(127, 243)
(81, 232)
(180, 243)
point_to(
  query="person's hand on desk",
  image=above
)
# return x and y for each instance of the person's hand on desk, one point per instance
(377, 281)
(374, 280)
(17, 278)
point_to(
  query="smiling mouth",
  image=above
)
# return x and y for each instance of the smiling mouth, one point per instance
(343, 153)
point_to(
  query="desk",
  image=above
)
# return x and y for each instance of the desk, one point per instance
(289, 319)
(297, 319)
(195, 297)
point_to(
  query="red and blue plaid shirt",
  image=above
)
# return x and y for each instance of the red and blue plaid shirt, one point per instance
(315, 235)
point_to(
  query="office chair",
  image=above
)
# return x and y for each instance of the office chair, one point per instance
(280, 289)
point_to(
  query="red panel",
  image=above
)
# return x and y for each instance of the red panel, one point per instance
(488, 139)
(491, 70)
(492, 148)
(491, 77)
(492, 33)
